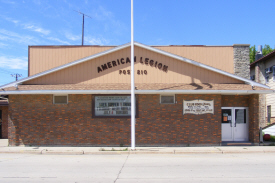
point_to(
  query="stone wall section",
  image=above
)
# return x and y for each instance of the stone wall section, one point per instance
(241, 60)
(5, 110)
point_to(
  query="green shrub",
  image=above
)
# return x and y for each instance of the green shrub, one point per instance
(272, 138)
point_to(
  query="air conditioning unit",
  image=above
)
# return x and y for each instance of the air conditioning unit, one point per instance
(268, 70)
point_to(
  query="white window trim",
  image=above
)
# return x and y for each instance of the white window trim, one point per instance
(61, 95)
(174, 95)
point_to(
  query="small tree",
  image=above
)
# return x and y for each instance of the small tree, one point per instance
(267, 50)
(252, 53)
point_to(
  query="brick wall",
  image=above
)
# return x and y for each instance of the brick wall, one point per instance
(252, 102)
(254, 117)
(235, 100)
(165, 124)
(35, 120)
(4, 121)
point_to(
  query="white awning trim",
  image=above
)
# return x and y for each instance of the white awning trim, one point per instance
(252, 83)
(229, 92)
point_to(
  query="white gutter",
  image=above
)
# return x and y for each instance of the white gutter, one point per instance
(33, 92)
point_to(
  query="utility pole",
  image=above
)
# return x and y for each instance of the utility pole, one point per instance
(133, 104)
(16, 76)
(83, 25)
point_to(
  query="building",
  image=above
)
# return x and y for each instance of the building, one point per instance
(263, 71)
(185, 96)
(3, 118)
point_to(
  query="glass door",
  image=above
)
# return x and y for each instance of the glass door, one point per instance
(234, 124)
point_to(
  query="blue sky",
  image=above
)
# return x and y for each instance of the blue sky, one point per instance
(156, 22)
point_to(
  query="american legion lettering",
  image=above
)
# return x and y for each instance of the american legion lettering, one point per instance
(122, 61)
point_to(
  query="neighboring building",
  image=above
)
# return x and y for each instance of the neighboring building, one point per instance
(263, 71)
(270, 129)
(185, 95)
(3, 118)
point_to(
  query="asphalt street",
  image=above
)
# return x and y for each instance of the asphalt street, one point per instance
(122, 168)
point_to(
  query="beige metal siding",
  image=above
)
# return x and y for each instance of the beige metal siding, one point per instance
(220, 57)
(42, 58)
(270, 98)
(178, 71)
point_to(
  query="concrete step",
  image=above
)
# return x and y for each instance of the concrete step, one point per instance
(237, 144)
(4, 142)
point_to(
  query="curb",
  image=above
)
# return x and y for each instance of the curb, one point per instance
(45, 152)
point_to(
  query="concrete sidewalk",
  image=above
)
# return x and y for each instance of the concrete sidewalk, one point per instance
(139, 150)
(4, 148)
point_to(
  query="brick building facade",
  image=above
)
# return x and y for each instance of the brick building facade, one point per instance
(92, 109)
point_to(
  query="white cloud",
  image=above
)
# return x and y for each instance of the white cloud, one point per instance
(58, 40)
(95, 41)
(14, 62)
(102, 14)
(28, 26)
(37, 2)
(11, 20)
(3, 45)
(18, 38)
(72, 37)
(8, 1)
(36, 29)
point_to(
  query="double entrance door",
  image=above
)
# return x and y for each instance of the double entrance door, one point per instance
(234, 124)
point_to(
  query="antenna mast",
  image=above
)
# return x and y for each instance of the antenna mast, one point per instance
(16, 76)
(83, 25)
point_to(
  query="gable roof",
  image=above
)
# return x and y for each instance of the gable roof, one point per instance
(183, 59)
(140, 88)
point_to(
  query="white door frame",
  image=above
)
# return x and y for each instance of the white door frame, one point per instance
(233, 131)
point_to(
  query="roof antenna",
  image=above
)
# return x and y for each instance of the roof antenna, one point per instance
(83, 25)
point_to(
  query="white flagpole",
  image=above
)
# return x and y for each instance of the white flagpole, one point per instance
(133, 105)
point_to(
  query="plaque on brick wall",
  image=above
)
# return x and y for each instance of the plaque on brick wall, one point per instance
(198, 106)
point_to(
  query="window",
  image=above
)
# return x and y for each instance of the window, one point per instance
(167, 99)
(267, 75)
(268, 114)
(252, 77)
(116, 105)
(60, 99)
(273, 69)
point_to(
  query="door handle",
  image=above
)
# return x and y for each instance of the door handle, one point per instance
(231, 124)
